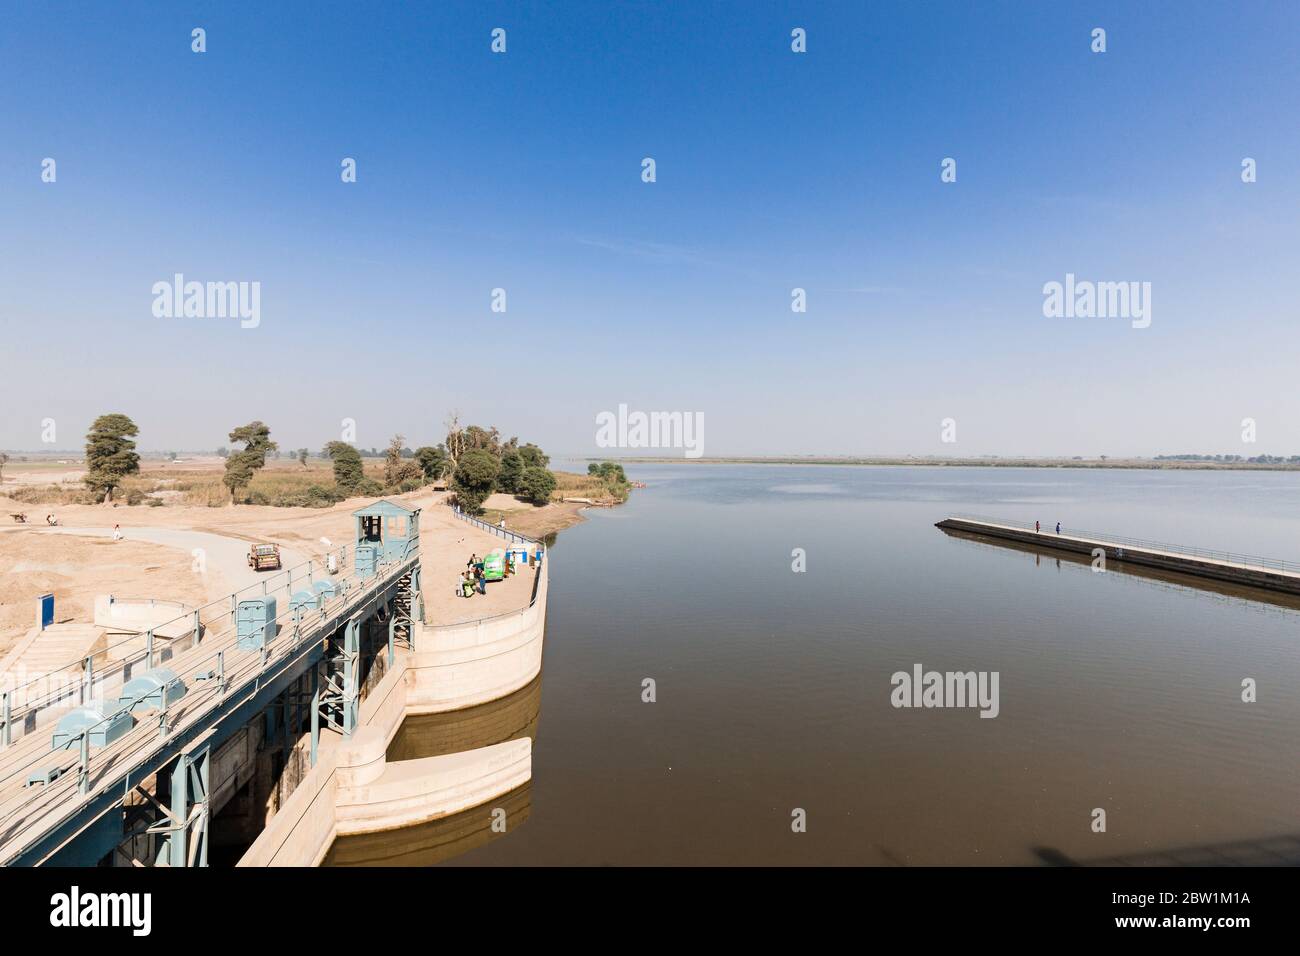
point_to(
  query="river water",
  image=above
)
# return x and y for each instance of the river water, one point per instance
(1118, 691)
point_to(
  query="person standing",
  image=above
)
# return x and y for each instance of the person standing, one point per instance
(1058, 527)
(1035, 527)
(117, 532)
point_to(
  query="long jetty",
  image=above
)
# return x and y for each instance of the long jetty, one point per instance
(1244, 569)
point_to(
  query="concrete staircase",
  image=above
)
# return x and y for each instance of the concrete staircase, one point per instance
(43, 652)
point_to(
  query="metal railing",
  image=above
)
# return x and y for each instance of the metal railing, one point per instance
(513, 536)
(212, 670)
(1210, 554)
(77, 678)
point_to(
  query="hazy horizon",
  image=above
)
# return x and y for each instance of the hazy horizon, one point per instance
(775, 171)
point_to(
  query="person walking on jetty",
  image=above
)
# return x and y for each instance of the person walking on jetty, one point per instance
(1035, 527)
(1058, 527)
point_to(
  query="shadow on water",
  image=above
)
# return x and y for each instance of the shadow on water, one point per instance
(1154, 575)
(510, 718)
(1269, 851)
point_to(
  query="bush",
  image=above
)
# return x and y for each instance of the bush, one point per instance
(536, 485)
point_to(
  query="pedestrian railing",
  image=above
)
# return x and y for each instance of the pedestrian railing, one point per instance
(513, 536)
(77, 679)
(210, 677)
(1210, 554)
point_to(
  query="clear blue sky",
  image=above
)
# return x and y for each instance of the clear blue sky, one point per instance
(775, 170)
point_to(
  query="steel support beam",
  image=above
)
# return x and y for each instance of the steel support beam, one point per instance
(187, 835)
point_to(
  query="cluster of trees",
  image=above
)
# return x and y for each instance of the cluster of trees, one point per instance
(610, 471)
(480, 463)
(614, 478)
(476, 461)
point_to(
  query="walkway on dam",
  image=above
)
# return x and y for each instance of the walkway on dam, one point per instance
(1272, 573)
(444, 563)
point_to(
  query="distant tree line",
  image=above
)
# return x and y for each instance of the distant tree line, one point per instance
(1255, 460)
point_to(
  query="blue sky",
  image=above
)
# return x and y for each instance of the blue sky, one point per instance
(774, 170)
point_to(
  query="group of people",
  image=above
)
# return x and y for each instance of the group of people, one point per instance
(472, 578)
(1038, 530)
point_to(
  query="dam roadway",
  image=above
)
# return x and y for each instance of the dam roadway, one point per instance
(1241, 569)
(227, 687)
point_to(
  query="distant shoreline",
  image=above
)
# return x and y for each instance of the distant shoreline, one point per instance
(1130, 464)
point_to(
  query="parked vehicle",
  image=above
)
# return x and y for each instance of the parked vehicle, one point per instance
(494, 565)
(264, 557)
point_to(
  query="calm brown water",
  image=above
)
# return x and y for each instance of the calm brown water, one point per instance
(1119, 691)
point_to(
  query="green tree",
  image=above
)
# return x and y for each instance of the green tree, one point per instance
(110, 453)
(242, 465)
(347, 466)
(512, 470)
(302, 457)
(536, 485)
(534, 457)
(433, 461)
(474, 479)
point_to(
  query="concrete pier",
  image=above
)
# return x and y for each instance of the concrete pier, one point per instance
(1220, 566)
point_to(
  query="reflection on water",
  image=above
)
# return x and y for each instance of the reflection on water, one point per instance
(510, 718)
(437, 840)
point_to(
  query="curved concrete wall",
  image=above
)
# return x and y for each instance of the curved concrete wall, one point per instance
(460, 665)
(355, 789)
(416, 791)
